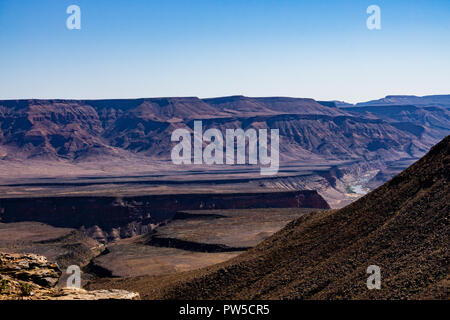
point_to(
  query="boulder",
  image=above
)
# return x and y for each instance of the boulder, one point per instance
(33, 277)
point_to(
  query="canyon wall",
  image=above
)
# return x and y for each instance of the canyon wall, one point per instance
(108, 218)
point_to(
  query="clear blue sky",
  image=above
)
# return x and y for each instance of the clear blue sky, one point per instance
(143, 48)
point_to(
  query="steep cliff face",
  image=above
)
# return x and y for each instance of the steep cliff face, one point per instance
(426, 122)
(50, 129)
(110, 217)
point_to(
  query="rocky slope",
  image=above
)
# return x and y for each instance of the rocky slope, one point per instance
(402, 227)
(425, 122)
(32, 277)
(63, 246)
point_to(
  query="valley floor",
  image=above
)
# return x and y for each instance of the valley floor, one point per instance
(190, 241)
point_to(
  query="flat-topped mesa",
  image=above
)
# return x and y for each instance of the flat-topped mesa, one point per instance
(142, 212)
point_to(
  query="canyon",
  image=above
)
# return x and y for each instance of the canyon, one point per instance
(111, 218)
(401, 227)
(92, 183)
(105, 147)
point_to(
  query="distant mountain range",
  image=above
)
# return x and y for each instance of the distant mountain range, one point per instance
(435, 100)
(79, 130)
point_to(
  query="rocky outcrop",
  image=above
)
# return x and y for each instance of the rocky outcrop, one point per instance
(33, 277)
(81, 294)
(29, 268)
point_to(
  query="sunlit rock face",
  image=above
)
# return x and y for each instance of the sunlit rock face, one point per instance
(33, 277)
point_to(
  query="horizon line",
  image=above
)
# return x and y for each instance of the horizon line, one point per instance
(217, 97)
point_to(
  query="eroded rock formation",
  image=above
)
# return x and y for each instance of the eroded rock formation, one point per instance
(33, 277)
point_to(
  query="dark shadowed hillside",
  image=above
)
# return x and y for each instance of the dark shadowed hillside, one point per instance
(402, 227)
